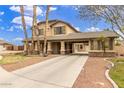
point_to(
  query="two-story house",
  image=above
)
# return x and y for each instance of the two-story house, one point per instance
(62, 38)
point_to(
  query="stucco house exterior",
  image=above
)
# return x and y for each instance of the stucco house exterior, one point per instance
(62, 38)
(5, 45)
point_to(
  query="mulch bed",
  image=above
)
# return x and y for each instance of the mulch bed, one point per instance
(27, 62)
(93, 75)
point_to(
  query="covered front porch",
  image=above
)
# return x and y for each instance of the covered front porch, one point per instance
(71, 46)
(61, 47)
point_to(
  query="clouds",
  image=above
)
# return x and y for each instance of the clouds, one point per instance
(1, 13)
(77, 28)
(28, 10)
(18, 39)
(15, 8)
(16, 28)
(11, 29)
(93, 29)
(28, 14)
(53, 8)
(2, 28)
(18, 20)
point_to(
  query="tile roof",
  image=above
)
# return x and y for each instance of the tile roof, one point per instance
(82, 35)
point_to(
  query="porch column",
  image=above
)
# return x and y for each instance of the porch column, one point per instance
(111, 44)
(24, 46)
(32, 45)
(35, 44)
(41, 47)
(67, 47)
(62, 50)
(90, 47)
(95, 44)
(49, 50)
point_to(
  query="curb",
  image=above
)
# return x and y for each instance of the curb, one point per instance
(107, 74)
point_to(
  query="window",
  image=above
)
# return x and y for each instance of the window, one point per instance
(81, 46)
(59, 30)
(41, 31)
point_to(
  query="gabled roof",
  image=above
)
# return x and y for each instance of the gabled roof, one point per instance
(53, 22)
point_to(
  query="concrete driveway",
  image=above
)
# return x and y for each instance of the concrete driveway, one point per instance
(61, 71)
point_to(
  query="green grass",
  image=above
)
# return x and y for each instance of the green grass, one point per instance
(117, 72)
(115, 60)
(12, 58)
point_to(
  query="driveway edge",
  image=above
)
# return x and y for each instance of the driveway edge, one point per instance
(107, 73)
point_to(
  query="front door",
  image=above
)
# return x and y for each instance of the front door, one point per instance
(79, 47)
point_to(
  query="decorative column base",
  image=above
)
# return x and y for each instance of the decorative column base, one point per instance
(25, 52)
(62, 49)
(49, 52)
(62, 52)
(36, 52)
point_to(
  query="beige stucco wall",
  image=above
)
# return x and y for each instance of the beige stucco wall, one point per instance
(67, 28)
(86, 47)
(42, 26)
(51, 29)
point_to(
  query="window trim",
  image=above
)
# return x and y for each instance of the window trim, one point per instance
(60, 29)
(42, 31)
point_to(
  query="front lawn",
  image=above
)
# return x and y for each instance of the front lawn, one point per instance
(13, 62)
(12, 58)
(117, 72)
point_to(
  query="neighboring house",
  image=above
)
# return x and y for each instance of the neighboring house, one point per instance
(62, 38)
(5, 45)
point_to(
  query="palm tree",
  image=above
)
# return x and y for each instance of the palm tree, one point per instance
(35, 29)
(33, 33)
(46, 29)
(24, 28)
(102, 39)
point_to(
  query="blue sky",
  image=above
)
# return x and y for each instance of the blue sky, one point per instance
(10, 21)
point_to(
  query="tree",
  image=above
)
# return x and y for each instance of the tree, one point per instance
(46, 29)
(35, 30)
(24, 28)
(113, 15)
(103, 39)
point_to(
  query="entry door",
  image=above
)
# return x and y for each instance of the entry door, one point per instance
(79, 47)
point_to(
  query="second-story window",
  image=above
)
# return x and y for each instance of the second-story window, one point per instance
(59, 30)
(41, 31)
